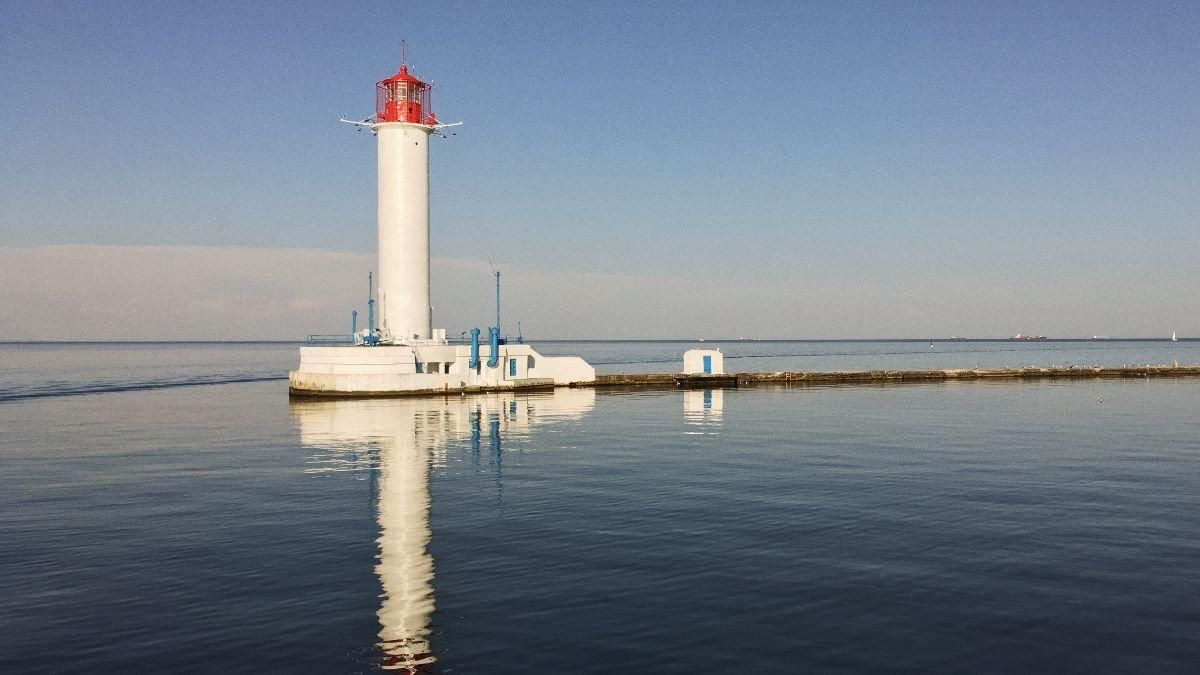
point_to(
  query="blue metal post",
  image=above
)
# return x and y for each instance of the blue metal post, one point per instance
(494, 339)
(474, 362)
(353, 321)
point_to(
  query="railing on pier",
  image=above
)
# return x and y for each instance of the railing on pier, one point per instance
(349, 340)
(330, 339)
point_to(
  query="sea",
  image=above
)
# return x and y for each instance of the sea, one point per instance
(165, 507)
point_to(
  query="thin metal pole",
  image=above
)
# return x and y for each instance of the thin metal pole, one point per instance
(497, 301)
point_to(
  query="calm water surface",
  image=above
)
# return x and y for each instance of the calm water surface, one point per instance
(47, 369)
(953, 527)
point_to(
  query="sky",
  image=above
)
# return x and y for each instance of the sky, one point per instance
(636, 169)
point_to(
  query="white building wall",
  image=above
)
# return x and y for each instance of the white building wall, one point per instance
(693, 361)
(485, 376)
(562, 369)
(358, 360)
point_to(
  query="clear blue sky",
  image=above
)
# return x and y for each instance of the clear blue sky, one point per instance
(932, 151)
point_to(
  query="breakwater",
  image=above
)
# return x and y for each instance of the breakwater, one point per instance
(796, 378)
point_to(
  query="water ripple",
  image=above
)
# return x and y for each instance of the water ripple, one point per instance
(53, 389)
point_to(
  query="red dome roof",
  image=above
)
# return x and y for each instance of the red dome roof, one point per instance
(403, 76)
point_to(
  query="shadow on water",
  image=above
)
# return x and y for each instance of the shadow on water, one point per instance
(394, 443)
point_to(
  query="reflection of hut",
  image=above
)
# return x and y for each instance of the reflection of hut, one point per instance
(703, 406)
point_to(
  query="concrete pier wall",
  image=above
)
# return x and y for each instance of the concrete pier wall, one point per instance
(887, 376)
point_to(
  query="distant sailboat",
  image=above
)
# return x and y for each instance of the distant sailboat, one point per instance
(1173, 338)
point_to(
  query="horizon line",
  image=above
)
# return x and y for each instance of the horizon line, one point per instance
(597, 340)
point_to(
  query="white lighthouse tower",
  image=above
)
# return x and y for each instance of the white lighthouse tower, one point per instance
(401, 352)
(403, 124)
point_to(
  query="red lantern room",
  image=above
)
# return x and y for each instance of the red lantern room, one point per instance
(403, 98)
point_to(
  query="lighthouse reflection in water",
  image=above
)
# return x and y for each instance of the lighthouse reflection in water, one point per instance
(395, 444)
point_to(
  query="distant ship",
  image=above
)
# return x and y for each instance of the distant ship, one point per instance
(1029, 338)
(1173, 338)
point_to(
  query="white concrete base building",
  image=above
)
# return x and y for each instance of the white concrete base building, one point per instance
(430, 369)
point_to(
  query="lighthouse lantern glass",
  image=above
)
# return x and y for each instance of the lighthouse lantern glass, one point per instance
(402, 98)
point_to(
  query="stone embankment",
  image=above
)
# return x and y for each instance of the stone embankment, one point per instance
(663, 381)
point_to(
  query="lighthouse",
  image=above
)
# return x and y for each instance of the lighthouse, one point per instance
(403, 125)
(401, 353)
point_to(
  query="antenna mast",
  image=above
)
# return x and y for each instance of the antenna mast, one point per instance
(497, 301)
(370, 339)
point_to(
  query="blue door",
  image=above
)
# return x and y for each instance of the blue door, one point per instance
(708, 365)
(512, 367)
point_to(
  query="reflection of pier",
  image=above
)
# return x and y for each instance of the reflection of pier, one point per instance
(400, 440)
